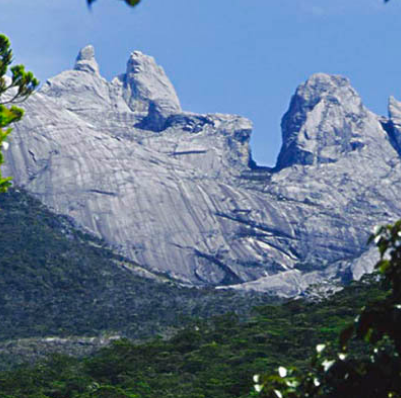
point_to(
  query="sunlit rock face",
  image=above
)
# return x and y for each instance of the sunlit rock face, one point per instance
(86, 61)
(324, 123)
(179, 193)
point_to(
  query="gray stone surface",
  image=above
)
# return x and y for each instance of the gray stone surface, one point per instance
(394, 110)
(86, 61)
(175, 191)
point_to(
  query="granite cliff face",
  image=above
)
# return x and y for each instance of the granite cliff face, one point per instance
(178, 192)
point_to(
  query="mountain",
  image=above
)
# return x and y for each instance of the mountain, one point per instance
(179, 194)
(61, 289)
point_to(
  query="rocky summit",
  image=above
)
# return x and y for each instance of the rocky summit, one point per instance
(179, 193)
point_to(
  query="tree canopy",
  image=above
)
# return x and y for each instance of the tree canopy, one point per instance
(13, 90)
(367, 362)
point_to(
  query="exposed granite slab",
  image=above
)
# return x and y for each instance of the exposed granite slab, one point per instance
(179, 193)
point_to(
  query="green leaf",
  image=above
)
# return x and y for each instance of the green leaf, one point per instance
(132, 3)
(5, 183)
(383, 266)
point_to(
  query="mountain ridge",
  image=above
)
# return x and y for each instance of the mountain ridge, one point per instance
(180, 193)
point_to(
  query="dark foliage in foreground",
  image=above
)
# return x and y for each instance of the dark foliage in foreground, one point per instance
(367, 361)
(21, 85)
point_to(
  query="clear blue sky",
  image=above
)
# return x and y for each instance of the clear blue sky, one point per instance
(230, 56)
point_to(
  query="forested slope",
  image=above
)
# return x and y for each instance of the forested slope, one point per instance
(57, 280)
(207, 359)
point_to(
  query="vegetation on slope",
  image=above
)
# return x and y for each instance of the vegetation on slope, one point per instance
(57, 280)
(217, 358)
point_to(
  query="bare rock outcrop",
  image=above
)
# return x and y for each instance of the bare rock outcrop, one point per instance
(179, 193)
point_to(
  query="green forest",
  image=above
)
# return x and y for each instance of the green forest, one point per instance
(214, 358)
(174, 340)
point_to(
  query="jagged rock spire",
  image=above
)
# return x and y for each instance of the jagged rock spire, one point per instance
(86, 61)
(148, 90)
(319, 126)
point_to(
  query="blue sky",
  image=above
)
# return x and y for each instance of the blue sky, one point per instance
(230, 56)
